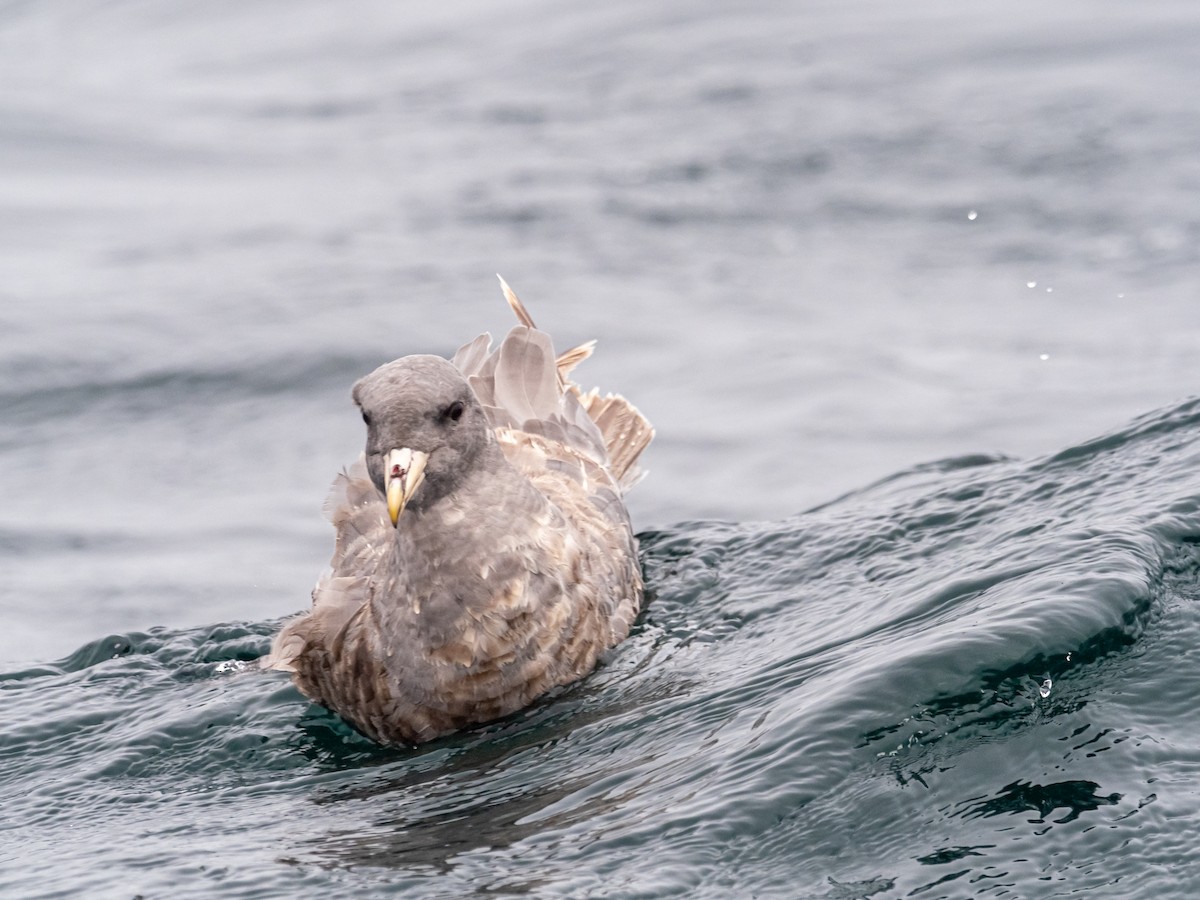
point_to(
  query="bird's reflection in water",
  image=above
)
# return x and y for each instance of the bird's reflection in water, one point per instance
(486, 789)
(411, 839)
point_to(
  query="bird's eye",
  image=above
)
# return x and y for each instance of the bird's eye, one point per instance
(366, 418)
(453, 412)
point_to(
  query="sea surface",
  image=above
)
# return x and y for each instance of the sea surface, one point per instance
(909, 292)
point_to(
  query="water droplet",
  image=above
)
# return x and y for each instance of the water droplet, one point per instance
(1044, 689)
(971, 215)
(1049, 290)
(1044, 357)
(1068, 656)
(1031, 284)
(1120, 296)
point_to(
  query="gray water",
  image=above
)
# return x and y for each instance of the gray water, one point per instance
(916, 258)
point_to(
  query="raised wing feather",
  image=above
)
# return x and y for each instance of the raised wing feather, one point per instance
(526, 378)
(524, 387)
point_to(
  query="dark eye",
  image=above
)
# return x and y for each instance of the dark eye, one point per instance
(366, 418)
(453, 412)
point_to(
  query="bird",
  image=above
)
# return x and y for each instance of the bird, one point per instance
(483, 551)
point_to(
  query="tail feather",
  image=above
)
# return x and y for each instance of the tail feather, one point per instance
(625, 430)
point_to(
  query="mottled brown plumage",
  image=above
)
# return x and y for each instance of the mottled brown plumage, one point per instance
(511, 565)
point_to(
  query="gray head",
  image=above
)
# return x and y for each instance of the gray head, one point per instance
(425, 429)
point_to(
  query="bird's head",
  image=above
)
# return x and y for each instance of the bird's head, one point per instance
(425, 429)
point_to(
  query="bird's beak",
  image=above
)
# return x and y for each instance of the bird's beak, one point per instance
(404, 470)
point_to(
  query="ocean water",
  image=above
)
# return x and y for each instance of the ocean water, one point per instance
(909, 293)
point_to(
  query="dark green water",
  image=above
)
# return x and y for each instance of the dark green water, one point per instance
(973, 679)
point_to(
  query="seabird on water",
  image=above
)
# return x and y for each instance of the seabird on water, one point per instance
(483, 554)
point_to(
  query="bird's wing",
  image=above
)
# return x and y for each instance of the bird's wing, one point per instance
(363, 535)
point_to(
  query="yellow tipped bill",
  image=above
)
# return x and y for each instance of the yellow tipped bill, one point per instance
(403, 472)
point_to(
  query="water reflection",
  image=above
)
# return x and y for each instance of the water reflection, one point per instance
(1077, 797)
(403, 837)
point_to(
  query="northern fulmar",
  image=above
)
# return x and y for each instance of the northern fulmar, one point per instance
(483, 551)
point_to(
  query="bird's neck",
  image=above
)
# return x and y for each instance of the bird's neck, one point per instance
(451, 558)
(457, 533)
